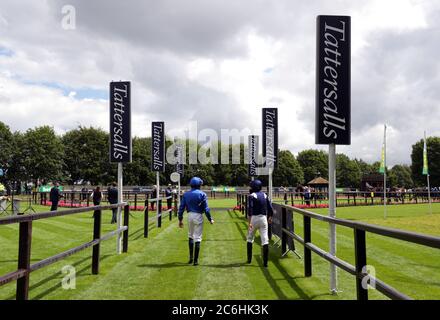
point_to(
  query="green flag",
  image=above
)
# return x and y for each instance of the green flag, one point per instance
(425, 158)
(382, 161)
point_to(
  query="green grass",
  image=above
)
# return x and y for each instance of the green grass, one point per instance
(155, 268)
(411, 269)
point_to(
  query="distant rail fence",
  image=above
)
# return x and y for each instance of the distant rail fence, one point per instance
(352, 198)
(22, 274)
(138, 200)
(360, 246)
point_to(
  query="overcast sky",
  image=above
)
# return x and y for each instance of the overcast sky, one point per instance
(220, 62)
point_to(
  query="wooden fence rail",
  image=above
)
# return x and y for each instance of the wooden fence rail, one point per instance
(360, 246)
(22, 274)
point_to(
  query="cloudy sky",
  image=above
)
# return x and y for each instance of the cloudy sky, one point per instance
(219, 62)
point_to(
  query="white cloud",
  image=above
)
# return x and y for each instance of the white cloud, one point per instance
(220, 64)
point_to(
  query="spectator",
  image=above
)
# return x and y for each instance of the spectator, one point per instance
(307, 195)
(113, 199)
(153, 195)
(55, 196)
(96, 196)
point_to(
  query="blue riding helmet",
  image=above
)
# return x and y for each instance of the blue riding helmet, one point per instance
(256, 185)
(195, 182)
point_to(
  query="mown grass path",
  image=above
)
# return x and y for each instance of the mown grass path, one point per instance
(155, 268)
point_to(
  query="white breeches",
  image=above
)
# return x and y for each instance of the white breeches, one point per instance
(195, 226)
(259, 223)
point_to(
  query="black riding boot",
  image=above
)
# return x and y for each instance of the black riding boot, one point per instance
(265, 254)
(196, 253)
(249, 252)
(191, 250)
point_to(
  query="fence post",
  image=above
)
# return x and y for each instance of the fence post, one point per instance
(159, 217)
(146, 220)
(307, 251)
(96, 235)
(135, 201)
(125, 237)
(360, 250)
(175, 204)
(283, 234)
(170, 213)
(24, 259)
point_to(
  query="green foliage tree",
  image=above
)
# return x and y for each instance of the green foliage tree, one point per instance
(138, 172)
(348, 172)
(7, 150)
(42, 153)
(400, 176)
(289, 171)
(433, 146)
(313, 163)
(86, 155)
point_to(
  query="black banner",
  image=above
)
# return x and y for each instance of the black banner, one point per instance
(120, 122)
(333, 91)
(276, 223)
(253, 156)
(289, 226)
(158, 146)
(179, 158)
(270, 137)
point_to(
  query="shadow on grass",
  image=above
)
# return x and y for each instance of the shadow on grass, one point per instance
(201, 264)
(57, 275)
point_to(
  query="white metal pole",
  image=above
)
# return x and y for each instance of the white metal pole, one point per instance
(427, 174)
(119, 212)
(157, 195)
(429, 194)
(178, 193)
(385, 171)
(332, 213)
(270, 184)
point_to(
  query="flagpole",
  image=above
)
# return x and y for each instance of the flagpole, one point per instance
(385, 171)
(425, 150)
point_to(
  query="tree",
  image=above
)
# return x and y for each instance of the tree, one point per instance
(366, 168)
(400, 176)
(433, 146)
(86, 156)
(313, 163)
(289, 172)
(42, 153)
(138, 172)
(348, 173)
(7, 148)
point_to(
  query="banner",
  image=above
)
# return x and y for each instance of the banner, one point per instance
(333, 96)
(277, 226)
(382, 160)
(425, 158)
(270, 137)
(289, 226)
(47, 188)
(158, 146)
(180, 160)
(253, 155)
(276, 223)
(120, 122)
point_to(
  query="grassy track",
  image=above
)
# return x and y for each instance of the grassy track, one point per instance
(155, 268)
